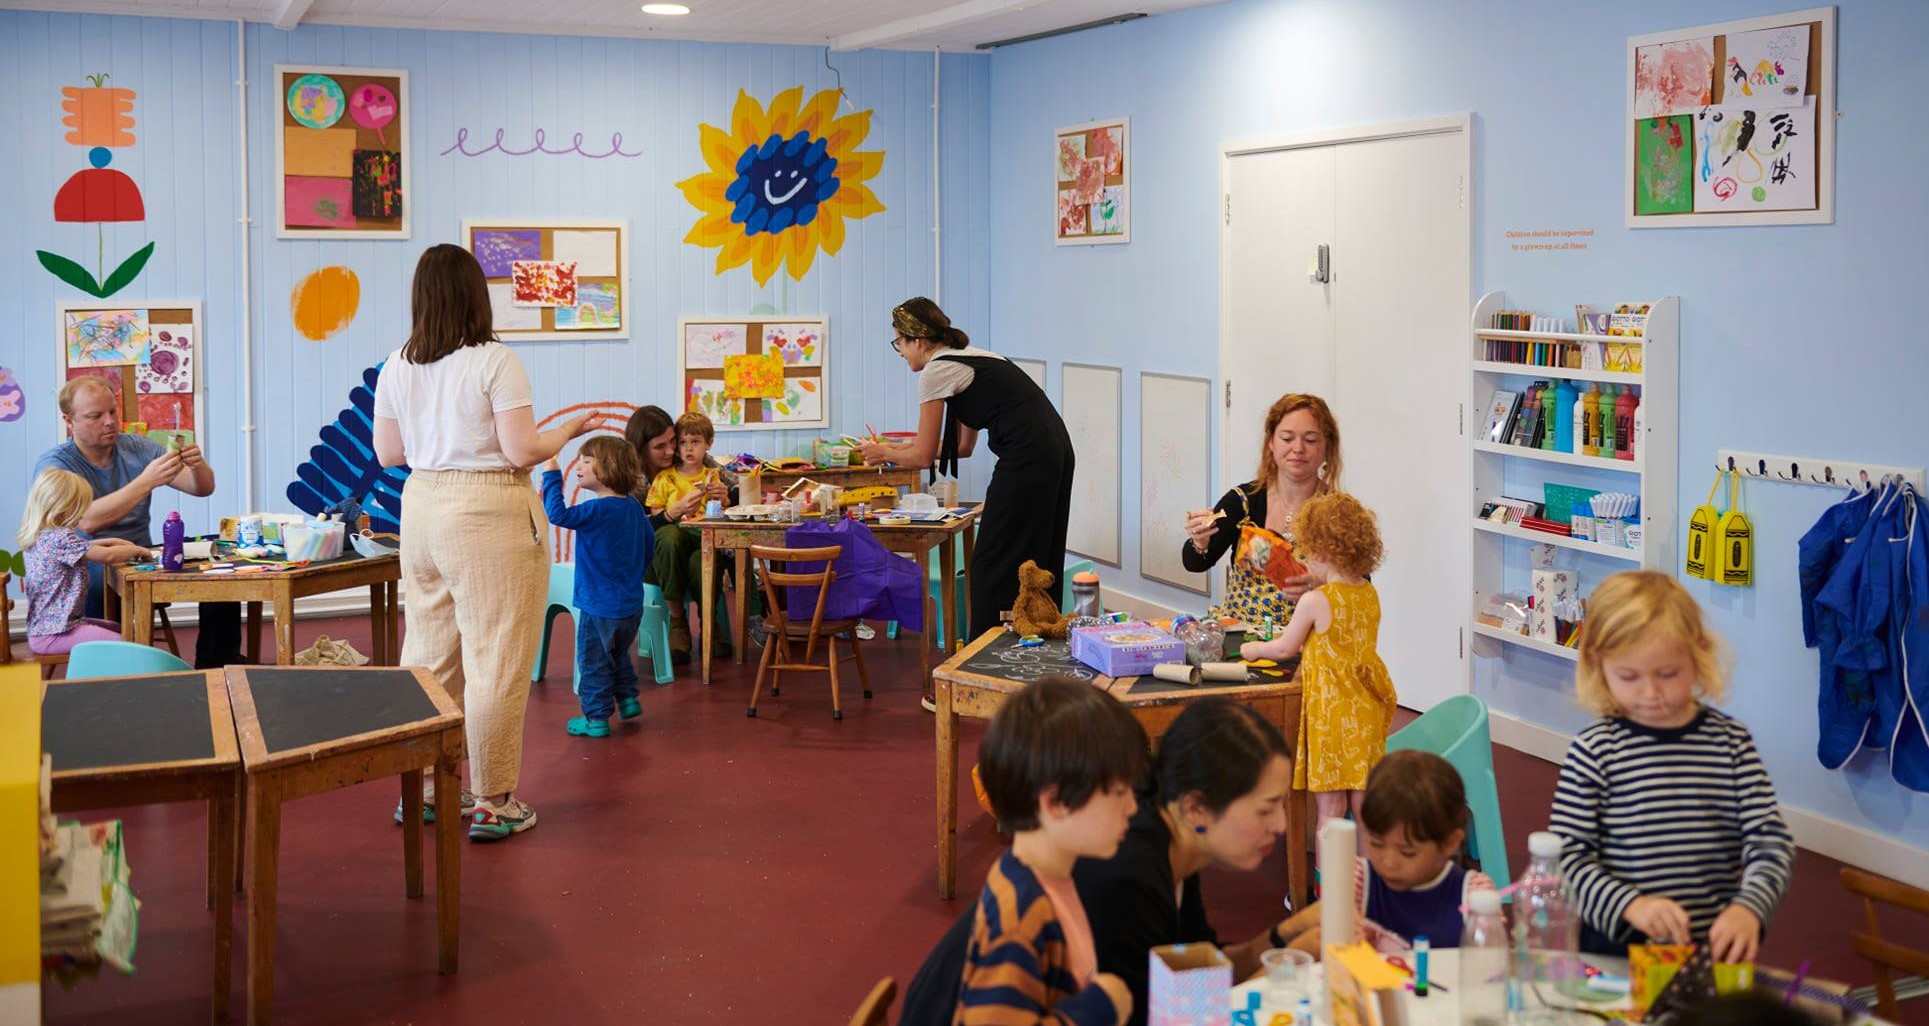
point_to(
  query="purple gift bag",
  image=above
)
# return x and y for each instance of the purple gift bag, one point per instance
(873, 583)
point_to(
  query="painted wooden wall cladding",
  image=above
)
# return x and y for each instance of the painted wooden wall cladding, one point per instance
(654, 93)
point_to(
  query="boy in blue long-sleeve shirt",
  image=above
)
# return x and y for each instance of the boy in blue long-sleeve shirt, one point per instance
(614, 543)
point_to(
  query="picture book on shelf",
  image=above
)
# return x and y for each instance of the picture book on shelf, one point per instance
(1500, 413)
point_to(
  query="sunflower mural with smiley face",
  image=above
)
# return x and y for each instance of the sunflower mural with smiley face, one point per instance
(782, 182)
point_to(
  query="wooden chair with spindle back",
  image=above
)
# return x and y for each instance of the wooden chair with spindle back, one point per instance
(782, 631)
(876, 1004)
(1886, 954)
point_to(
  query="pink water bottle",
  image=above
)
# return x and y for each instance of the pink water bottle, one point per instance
(173, 537)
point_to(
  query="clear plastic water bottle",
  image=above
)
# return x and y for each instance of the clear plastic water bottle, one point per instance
(1547, 936)
(1484, 950)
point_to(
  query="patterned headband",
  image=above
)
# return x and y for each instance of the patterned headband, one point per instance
(910, 325)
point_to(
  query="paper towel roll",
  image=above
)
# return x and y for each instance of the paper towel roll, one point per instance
(1224, 671)
(1338, 852)
(1178, 673)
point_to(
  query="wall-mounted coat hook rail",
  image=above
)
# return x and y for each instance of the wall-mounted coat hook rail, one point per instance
(1814, 471)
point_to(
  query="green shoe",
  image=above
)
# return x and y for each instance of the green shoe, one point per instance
(428, 806)
(580, 726)
(496, 822)
(629, 708)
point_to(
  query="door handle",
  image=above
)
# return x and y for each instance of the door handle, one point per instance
(1319, 270)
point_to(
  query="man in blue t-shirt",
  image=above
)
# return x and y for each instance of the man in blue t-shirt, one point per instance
(124, 472)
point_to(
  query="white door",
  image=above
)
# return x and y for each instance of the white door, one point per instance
(1280, 323)
(1380, 341)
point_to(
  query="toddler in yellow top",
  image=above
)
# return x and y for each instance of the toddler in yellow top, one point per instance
(1348, 697)
(694, 434)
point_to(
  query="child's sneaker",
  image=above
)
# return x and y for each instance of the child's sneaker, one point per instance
(580, 726)
(428, 805)
(495, 822)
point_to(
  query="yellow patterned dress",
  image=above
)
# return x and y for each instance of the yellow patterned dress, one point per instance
(1348, 699)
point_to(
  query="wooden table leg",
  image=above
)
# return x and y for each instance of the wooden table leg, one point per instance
(223, 826)
(137, 615)
(412, 831)
(254, 633)
(948, 589)
(284, 627)
(448, 854)
(970, 546)
(1298, 837)
(947, 791)
(741, 627)
(378, 624)
(264, 801)
(708, 589)
(393, 628)
(110, 597)
(927, 641)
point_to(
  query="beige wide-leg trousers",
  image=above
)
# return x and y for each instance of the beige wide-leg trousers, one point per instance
(475, 556)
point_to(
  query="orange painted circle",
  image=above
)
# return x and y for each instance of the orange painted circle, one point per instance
(325, 302)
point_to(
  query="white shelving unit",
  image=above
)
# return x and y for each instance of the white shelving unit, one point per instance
(1501, 469)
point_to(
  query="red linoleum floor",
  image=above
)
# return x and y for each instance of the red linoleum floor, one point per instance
(697, 866)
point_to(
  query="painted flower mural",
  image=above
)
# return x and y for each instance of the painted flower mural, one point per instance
(99, 118)
(782, 182)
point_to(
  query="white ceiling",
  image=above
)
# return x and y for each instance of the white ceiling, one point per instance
(841, 24)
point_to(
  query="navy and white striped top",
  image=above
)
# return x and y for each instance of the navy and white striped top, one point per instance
(1687, 813)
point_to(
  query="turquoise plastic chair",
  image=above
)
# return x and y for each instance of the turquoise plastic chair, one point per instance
(652, 641)
(1456, 730)
(120, 659)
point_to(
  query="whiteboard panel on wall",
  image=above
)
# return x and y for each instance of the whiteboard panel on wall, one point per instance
(1034, 369)
(1175, 475)
(1091, 408)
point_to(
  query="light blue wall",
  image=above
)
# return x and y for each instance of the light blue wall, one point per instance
(1804, 340)
(654, 93)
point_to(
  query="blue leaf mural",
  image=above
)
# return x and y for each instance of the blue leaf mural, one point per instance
(344, 466)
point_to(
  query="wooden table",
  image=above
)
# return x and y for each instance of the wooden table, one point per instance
(976, 681)
(842, 477)
(131, 595)
(307, 730)
(118, 741)
(914, 540)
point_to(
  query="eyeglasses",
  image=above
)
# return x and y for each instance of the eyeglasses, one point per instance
(897, 344)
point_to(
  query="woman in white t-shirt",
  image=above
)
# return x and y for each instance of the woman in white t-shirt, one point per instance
(454, 404)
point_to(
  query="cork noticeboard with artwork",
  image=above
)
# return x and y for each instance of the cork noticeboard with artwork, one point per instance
(1093, 192)
(763, 372)
(148, 352)
(554, 280)
(341, 153)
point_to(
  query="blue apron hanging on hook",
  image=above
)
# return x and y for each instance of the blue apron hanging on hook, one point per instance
(1857, 703)
(1909, 750)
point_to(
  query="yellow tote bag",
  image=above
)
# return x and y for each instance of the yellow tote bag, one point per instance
(1734, 541)
(1701, 542)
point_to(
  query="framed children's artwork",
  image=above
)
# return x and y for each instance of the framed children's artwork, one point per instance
(341, 153)
(1092, 191)
(555, 280)
(750, 373)
(1733, 123)
(148, 352)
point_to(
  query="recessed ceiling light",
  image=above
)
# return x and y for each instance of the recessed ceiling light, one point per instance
(667, 10)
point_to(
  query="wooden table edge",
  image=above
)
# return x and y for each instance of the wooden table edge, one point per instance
(255, 754)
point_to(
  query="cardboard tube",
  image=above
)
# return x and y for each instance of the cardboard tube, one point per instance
(1338, 849)
(1224, 671)
(1178, 673)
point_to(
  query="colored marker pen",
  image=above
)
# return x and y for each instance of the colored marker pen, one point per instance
(1420, 950)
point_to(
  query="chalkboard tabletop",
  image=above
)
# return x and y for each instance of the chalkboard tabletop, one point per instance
(287, 714)
(996, 661)
(150, 725)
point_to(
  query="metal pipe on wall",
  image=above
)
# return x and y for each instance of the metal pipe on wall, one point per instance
(247, 296)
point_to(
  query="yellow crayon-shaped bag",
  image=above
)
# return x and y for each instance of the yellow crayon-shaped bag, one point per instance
(1734, 541)
(1701, 560)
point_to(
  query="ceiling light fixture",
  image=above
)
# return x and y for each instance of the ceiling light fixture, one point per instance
(1067, 30)
(665, 10)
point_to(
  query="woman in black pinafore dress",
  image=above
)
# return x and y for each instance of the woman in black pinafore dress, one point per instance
(963, 391)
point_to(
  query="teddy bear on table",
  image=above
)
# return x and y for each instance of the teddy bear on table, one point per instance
(1036, 612)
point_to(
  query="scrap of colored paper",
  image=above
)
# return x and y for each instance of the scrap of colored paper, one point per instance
(170, 363)
(316, 101)
(1108, 214)
(104, 338)
(753, 376)
(544, 282)
(1071, 214)
(166, 412)
(597, 308)
(707, 397)
(798, 344)
(324, 302)
(120, 380)
(496, 250)
(803, 400)
(1674, 77)
(1071, 153)
(708, 345)
(509, 316)
(318, 202)
(1261, 662)
(1664, 165)
(594, 252)
(1090, 185)
(1104, 146)
(327, 152)
(378, 183)
(373, 106)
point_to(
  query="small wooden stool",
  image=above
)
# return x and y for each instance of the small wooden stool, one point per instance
(306, 730)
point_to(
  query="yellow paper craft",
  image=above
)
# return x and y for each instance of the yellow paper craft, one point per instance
(756, 376)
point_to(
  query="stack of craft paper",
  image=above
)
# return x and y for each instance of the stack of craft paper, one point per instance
(87, 911)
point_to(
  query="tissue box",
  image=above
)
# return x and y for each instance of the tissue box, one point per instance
(1188, 985)
(1550, 585)
(1125, 649)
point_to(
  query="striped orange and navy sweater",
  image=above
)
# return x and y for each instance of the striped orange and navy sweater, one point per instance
(1017, 971)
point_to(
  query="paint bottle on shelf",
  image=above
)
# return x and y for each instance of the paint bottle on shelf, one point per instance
(1624, 406)
(1549, 408)
(1564, 417)
(173, 541)
(1637, 440)
(1587, 409)
(1606, 447)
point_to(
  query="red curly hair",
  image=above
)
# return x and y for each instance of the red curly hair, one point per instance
(1336, 530)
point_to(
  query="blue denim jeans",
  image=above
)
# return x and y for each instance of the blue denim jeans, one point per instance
(603, 645)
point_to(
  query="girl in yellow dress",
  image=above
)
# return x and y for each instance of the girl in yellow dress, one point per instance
(1347, 697)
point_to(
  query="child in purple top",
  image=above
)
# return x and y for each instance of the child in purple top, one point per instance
(56, 555)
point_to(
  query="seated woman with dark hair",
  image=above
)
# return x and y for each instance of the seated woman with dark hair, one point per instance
(677, 567)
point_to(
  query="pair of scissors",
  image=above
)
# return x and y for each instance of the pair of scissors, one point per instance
(1400, 963)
